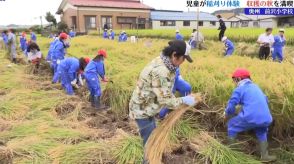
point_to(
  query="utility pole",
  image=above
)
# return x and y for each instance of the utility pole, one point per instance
(41, 22)
(138, 19)
(197, 24)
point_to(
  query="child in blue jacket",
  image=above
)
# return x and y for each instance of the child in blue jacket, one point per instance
(68, 70)
(229, 46)
(95, 70)
(254, 115)
(278, 46)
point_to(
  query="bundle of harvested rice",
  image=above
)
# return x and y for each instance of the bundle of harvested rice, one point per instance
(158, 140)
(218, 153)
(6, 155)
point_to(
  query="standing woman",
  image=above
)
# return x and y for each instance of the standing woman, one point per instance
(68, 70)
(222, 27)
(154, 88)
(93, 71)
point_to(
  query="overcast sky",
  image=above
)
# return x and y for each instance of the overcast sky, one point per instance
(28, 12)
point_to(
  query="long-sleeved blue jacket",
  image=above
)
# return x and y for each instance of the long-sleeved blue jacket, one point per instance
(5, 38)
(95, 67)
(179, 36)
(33, 37)
(229, 44)
(279, 42)
(123, 37)
(58, 52)
(70, 66)
(112, 35)
(50, 51)
(254, 103)
(105, 35)
(23, 42)
(72, 34)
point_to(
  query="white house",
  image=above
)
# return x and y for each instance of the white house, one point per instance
(178, 20)
(261, 21)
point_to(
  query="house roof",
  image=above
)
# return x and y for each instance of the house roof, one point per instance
(159, 15)
(227, 15)
(129, 4)
(242, 17)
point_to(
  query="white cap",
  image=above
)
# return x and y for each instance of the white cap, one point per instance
(224, 38)
(282, 30)
(177, 31)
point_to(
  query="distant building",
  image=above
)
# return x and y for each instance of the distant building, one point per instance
(251, 21)
(226, 15)
(285, 21)
(85, 15)
(178, 19)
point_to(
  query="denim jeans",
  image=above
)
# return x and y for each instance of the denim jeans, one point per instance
(146, 126)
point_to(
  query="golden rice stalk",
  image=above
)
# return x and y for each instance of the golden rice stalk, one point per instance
(158, 140)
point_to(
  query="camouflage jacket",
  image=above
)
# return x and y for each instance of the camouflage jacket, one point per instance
(153, 91)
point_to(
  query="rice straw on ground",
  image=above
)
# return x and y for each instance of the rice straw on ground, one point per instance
(158, 140)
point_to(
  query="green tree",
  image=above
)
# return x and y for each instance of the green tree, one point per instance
(62, 26)
(51, 19)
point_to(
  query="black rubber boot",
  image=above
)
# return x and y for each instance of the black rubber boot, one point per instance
(264, 156)
(98, 105)
(91, 99)
(231, 140)
(14, 60)
(233, 143)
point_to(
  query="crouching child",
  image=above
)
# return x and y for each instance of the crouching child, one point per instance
(254, 114)
(34, 54)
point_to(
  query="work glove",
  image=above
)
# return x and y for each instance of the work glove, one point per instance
(74, 82)
(58, 61)
(226, 118)
(189, 100)
(81, 80)
(105, 80)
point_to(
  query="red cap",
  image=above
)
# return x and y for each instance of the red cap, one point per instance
(87, 60)
(102, 53)
(241, 73)
(63, 35)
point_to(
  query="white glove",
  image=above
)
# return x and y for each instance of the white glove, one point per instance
(81, 80)
(58, 61)
(189, 100)
(74, 82)
(180, 77)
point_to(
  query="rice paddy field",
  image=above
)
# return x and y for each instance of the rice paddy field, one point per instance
(40, 124)
(248, 35)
